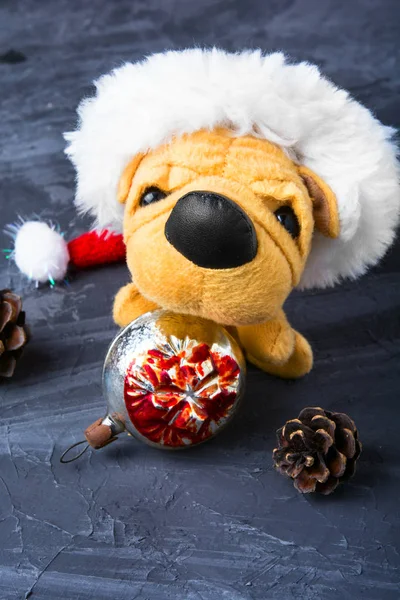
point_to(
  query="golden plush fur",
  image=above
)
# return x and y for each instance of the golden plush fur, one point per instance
(259, 177)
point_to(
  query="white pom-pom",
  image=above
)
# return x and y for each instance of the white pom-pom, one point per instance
(40, 252)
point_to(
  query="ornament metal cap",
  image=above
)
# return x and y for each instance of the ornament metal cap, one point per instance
(103, 431)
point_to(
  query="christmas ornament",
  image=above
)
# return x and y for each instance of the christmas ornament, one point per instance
(13, 333)
(42, 254)
(169, 380)
(318, 450)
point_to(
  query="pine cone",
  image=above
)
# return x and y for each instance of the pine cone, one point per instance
(13, 334)
(318, 450)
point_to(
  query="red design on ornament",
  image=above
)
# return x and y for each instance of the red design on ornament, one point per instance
(180, 398)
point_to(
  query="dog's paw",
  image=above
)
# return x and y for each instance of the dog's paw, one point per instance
(129, 304)
(272, 342)
(299, 363)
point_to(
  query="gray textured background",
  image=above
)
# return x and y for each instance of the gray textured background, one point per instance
(216, 522)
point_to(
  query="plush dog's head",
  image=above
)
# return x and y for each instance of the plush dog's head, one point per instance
(220, 226)
(239, 176)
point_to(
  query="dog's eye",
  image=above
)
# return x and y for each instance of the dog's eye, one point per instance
(288, 220)
(150, 195)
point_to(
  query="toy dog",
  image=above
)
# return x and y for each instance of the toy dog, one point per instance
(235, 178)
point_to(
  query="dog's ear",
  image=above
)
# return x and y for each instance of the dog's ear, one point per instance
(125, 181)
(325, 208)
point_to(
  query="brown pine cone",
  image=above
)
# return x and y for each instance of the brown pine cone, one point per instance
(13, 333)
(318, 450)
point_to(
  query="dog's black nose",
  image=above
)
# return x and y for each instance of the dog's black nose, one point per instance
(211, 231)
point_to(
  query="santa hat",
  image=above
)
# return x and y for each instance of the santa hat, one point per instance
(139, 106)
(42, 253)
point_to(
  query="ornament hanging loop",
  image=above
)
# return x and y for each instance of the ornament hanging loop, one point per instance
(99, 434)
(65, 461)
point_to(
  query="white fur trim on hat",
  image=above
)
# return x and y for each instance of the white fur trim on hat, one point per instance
(139, 106)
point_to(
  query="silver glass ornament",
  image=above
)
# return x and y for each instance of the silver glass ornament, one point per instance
(172, 381)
